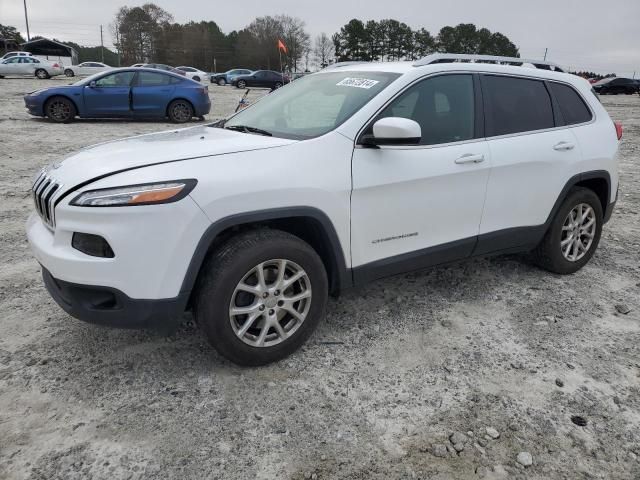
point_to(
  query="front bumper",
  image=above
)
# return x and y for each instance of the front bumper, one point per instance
(111, 307)
(34, 106)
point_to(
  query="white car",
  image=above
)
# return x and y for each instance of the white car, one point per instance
(194, 73)
(27, 65)
(358, 172)
(86, 68)
(15, 54)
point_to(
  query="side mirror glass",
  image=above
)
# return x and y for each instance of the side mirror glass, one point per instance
(394, 131)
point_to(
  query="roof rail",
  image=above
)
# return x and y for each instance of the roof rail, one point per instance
(342, 64)
(460, 57)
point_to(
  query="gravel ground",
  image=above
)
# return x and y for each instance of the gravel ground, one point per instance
(484, 369)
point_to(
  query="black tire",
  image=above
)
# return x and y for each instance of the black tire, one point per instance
(42, 74)
(222, 82)
(60, 110)
(223, 271)
(277, 85)
(548, 254)
(180, 111)
(241, 84)
(69, 73)
(196, 78)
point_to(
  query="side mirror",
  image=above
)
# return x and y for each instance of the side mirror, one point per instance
(394, 131)
(92, 84)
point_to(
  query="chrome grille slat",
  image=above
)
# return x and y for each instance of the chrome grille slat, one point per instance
(45, 189)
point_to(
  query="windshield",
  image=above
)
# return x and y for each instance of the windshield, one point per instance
(313, 105)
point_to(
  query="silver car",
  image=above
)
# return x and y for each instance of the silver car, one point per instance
(30, 66)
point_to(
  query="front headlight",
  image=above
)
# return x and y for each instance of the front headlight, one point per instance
(145, 194)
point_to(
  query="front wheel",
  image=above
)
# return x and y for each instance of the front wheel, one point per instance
(574, 233)
(180, 111)
(69, 73)
(261, 296)
(42, 74)
(60, 110)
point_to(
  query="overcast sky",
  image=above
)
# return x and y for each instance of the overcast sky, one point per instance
(603, 36)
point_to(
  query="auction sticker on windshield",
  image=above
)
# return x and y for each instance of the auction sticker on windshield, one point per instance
(357, 82)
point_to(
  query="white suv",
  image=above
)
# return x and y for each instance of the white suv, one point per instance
(358, 172)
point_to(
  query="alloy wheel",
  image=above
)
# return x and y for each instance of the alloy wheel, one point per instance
(270, 303)
(59, 110)
(578, 232)
(181, 112)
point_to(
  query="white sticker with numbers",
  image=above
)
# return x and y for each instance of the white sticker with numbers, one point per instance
(357, 82)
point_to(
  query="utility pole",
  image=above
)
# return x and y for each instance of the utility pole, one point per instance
(101, 44)
(26, 19)
(545, 54)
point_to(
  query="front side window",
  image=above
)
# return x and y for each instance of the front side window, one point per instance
(514, 105)
(13, 60)
(120, 79)
(572, 107)
(313, 105)
(444, 106)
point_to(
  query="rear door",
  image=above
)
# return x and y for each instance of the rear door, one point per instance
(533, 155)
(151, 94)
(110, 96)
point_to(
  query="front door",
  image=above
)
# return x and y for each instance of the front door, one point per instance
(109, 96)
(414, 206)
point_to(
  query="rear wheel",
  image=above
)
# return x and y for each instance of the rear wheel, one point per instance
(196, 78)
(242, 84)
(261, 296)
(278, 85)
(69, 73)
(574, 233)
(180, 111)
(222, 82)
(60, 110)
(42, 74)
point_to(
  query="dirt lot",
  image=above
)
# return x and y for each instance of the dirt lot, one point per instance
(396, 369)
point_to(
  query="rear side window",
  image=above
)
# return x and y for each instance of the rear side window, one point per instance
(151, 79)
(514, 105)
(572, 106)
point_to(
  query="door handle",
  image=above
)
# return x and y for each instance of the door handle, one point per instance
(469, 158)
(563, 146)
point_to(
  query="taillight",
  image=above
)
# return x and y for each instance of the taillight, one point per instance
(618, 129)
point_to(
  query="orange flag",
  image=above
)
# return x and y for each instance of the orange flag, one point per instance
(282, 46)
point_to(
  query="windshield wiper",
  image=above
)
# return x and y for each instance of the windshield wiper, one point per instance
(247, 129)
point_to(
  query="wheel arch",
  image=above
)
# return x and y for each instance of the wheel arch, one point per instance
(308, 223)
(599, 181)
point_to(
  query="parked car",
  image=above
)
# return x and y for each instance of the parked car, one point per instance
(166, 68)
(15, 54)
(86, 68)
(261, 78)
(29, 66)
(348, 175)
(228, 76)
(193, 73)
(123, 93)
(617, 85)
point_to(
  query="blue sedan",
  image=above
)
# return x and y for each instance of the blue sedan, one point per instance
(123, 93)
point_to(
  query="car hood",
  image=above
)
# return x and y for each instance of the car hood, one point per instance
(108, 158)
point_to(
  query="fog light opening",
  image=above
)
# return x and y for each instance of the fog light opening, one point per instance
(93, 245)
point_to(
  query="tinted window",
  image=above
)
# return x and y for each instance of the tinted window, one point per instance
(516, 105)
(151, 79)
(443, 106)
(572, 106)
(120, 79)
